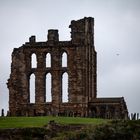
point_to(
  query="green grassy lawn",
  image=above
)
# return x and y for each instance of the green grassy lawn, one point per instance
(22, 122)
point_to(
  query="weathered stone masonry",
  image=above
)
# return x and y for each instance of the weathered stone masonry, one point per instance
(82, 77)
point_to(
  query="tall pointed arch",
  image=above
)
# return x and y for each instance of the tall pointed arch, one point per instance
(64, 59)
(48, 87)
(33, 61)
(32, 88)
(48, 60)
(65, 93)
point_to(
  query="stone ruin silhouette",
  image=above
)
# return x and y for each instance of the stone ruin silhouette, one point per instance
(81, 69)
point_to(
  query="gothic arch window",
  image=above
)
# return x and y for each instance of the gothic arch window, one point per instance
(48, 60)
(32, 88)
(64, 59)
(33, 61)
(65, 87)
(48, 87)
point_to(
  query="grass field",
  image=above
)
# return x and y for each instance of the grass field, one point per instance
(22, 122)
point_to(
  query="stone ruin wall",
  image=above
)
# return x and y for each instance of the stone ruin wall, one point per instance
(81, 69)
(82, 78)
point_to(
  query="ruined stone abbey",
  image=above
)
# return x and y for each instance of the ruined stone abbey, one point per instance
(80, 68)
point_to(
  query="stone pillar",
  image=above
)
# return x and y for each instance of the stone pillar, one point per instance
(2, 112)
(39, 87)
(53, 35)
(40, 78)
(56, 91)
(32, 39)
(137, 116)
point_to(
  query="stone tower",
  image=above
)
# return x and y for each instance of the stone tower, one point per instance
(80, 68)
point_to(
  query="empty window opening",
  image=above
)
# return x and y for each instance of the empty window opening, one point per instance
(65, 87)
(64, 59)
(48, 88)
(48, 60)
(33, 61)
(32, 88)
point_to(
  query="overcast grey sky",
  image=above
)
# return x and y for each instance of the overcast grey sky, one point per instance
(117, 31)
